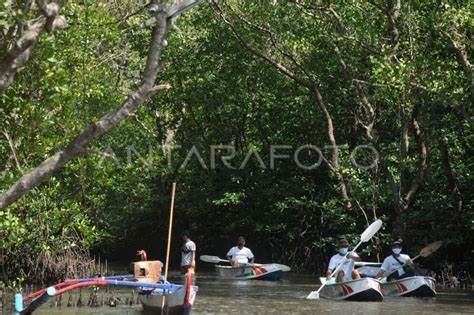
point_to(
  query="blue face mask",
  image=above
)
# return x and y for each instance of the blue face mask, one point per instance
(343, 250)
(396, 251)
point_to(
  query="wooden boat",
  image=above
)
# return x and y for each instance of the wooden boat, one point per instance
(418, 286)
(152, 288)
(364, 289)
(270, 272)
(178, 299)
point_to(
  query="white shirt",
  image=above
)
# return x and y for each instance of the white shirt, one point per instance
(346, 267)
(242, 256)
(187, 253)
(389, 264)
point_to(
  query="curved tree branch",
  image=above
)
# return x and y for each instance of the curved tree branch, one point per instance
(79, 144)
(16, 58)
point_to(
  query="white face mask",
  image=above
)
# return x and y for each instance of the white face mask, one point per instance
(396, 251)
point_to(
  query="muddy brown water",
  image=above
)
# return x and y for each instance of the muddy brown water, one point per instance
(219, 296)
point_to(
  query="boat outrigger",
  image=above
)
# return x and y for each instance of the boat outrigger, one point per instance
(178, 299)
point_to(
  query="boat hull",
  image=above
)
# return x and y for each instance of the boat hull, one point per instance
(268, 272)
(365, 289)
(417, 286)
(179, 301)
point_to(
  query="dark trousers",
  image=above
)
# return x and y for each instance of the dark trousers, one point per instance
(408, 273)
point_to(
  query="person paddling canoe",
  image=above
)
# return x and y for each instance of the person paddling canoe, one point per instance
(188, 254)
(347, 271)
(240, 255)
(394, 261)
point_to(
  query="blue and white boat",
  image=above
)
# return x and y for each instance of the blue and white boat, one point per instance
(269, 272)
(177, 299)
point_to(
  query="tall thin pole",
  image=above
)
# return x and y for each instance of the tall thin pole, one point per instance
(173, 192)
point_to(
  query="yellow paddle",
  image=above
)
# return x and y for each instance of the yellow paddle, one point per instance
(424, 252)
(173, 193)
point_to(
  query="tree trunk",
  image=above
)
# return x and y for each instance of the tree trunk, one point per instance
(79, 144)
(334, 148)
(448, 172)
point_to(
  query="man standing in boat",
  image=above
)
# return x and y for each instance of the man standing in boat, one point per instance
(394, 261)
(347, 271)
(240, 255)
(188, 254)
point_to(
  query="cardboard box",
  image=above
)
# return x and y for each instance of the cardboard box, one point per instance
(147, 271)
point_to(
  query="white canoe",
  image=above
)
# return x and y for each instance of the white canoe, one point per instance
(417, 286)
(364, 289)
(178, 300)
(268, 272)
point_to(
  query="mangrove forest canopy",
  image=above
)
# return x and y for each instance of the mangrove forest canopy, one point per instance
(293, 123)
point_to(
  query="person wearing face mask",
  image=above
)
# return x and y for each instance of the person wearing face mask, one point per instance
(394, 261)
(347, 271)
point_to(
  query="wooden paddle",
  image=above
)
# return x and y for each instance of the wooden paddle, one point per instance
(424, 252)
(173, 192)
(364, 237)
(216, 260)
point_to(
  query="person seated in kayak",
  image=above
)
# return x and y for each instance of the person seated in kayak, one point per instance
(394, 261)
(240, 255)
(188, 254)
(347, 271)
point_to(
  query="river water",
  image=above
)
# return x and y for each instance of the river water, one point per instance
(218, 296)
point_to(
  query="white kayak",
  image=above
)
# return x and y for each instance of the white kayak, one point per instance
(271, 272)
(418, 286)
(364, 289)
(178, 299)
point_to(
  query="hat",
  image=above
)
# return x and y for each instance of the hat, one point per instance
(343, 242)
(397, 242)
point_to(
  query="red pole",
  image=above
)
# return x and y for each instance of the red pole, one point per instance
(56, 286)
(98, 282)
